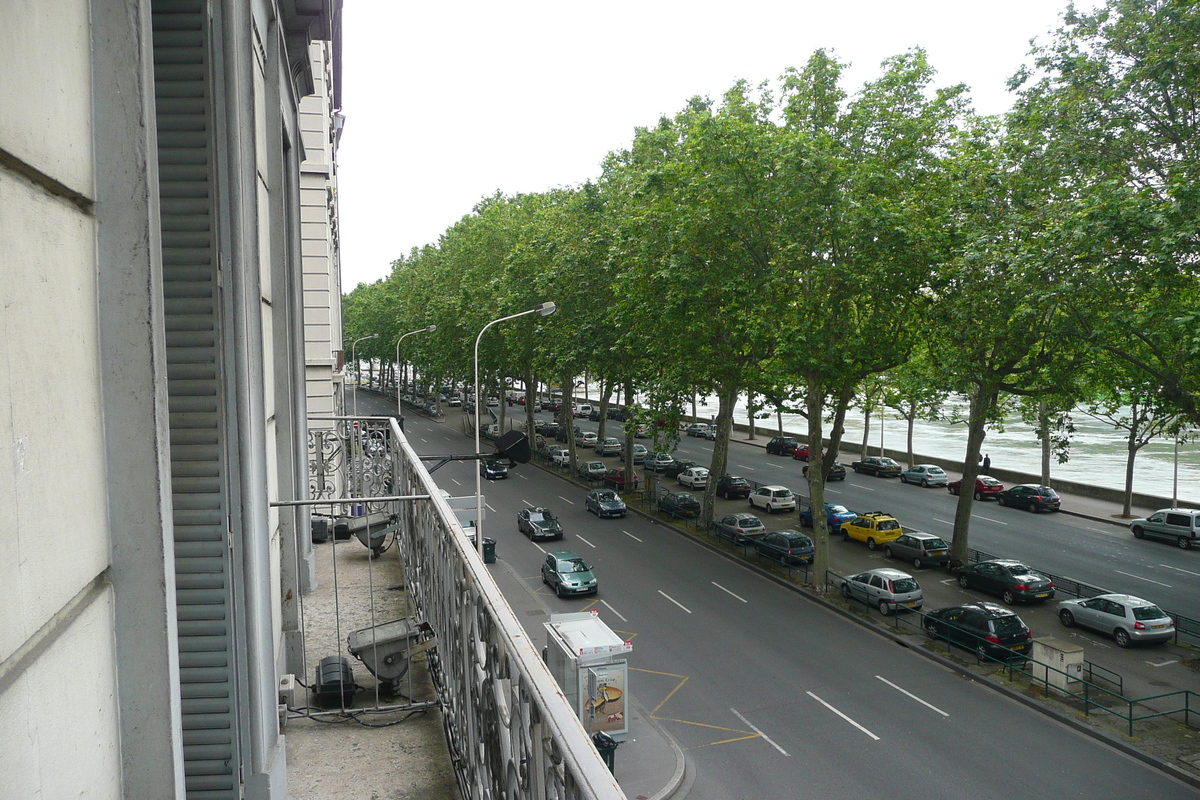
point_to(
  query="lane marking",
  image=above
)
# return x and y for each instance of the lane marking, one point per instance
(988, 519)
(1163, 664)
(585, 541)
(631, 536)
(843, 716)
(673, 600)
(560, 497)
(1140, 578)
(750, 725)
(868, 488)
(943, 521)
(526, 502)
(456, 481)
(610, 608)
(488, 506)
(913, 696)
(522, 477)
(1180, 569)
(726, 591)
(832, 491)
(743, 466)
(538, 546)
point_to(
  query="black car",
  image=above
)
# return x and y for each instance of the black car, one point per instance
(1030, 496)
(990, 630)
(547, 428)
(594, 414)
(539, 523)
(673, 469)
(493, 469)
(617, 414)
(1012, 580)
(782, 445)
(787, 547)
(836, 471)
(561, 435)
(879, 466)
(680, 504)
(731, 486)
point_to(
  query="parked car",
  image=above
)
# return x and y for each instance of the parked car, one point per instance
(773, 498)
(922, 549)
(673, 469)
(986, 487)
(789, 547)
(834, 514)
(879, 466)
(594, 414)
(641, 432)
(1126, 618)
(926, 475)
(680, 504)
(731, 486)
(991, 631)
(740, 528)
(561, 435)
(874, 528)
(639, 453)
(539, 523)
(560, 456)
(567, 573)
(591, 470)
(1012, 580)
(616, 413)
(782, 445)
(610, 446)
(800, 452)
(615, 478)
(547, 427)
(696, 429)
(889, 590)
(693, 477)
(1178, 525)
(492, 469)
(1031, 496)
(585, 439)
(582, 410)
(710, 434)
(493, 402)
(658, 462)
(836, 472)
(455, 400)
(605, 503)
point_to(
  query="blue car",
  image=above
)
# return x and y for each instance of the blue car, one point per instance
(834, 513)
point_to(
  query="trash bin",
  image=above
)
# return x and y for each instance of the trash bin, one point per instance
(489, 550)
(608, 749)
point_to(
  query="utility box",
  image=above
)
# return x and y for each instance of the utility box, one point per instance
(1056, 662)
(587, 659)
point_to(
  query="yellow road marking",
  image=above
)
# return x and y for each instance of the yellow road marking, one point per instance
(726, 741)
(703, 725)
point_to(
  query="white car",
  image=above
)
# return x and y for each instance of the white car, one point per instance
(695, 477)
(585, 439)
(773, 498)
(560, 456)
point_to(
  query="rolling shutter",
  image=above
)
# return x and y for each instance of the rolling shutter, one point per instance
(199, 477)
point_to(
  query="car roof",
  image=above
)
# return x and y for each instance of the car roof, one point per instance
(887, 572)
(1127, 599)
(991, 610)
(921, 534)
(564, 555)
(773, 487)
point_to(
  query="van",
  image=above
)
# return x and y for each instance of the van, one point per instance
(583, 409)
(1178, 525)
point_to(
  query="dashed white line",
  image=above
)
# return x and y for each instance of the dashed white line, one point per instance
(673, 600)
(1140, 578)
(522, 477)
(743, 466)
(987, 519)
(526, 502)
(943, 521)
(610, 608)
(631, 536)
(1180, 569)
(868, 488)
(560, 497)
(913, 696)
(726, 591)
(843, 716)
(585, 541)
(538, 546)
(765, 738)
(456, 481)
(488, 506)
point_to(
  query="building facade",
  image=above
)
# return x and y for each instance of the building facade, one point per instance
(154, 389)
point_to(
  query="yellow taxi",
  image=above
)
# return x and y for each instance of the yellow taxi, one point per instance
(874, 528)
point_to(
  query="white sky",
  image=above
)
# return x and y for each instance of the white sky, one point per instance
(447, 102)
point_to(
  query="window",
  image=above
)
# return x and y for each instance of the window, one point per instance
(1182, 520)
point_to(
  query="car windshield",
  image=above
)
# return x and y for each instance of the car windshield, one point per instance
(604, 497)
(889, 525)
(536, 518)
(1046, 491)
(781, 493)
(936, 471)
(1147, 612)
(900, 585)
(1021, 569)
(989, 481)
(574, 565)
(799, 540)
(887, 462)
(1011, 624)
(935, 544)
(838, 510)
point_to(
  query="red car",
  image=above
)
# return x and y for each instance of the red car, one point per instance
(801, 452)
(986, 487)
(616, 478)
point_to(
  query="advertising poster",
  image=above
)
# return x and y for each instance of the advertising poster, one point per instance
(604, 709)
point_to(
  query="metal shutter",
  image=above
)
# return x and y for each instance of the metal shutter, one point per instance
(199, 478)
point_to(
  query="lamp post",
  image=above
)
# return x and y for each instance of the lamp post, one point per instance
(426, 329)
(545, 309)
(357, 374)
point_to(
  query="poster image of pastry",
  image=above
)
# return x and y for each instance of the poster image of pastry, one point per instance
(605, 705)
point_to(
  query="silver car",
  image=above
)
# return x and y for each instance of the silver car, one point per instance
(1126, 618)
(925, 475)
(889, 590)
(609, 447)
(1178, 525)
(922, 549)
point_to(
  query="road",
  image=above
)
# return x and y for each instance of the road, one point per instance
(773, 695)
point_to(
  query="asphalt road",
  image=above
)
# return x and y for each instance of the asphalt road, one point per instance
(773, 695)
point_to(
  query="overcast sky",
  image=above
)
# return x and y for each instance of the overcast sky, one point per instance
(447, 102)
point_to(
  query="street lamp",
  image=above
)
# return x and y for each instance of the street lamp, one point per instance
(354, 360)
(426, 329)
(545, 309)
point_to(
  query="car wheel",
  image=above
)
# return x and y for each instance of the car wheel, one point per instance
(924, 484)
(917, 563)
(1032, 507)
(931, 629)
(558, 590)
(952, 490)
(1183, 542)
(1138, 533)
(1008, 597)
(870, 544)
(846, 590)
(1066, 618)
(544, 579)
(887, 552)
(883, 608)
(1122, 637)
(783, 559)
(770, 510)
(1000, 500)
(845, 536)
(964, 581)
(903, 479)
(978, 496)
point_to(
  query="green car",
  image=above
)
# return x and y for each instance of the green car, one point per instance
(568, 573)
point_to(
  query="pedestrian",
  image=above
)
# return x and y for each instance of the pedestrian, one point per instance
(987, 464)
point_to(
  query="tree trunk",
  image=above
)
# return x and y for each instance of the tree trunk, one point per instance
(628, 427)
(862, 451)
(912, 422)
(779, 417)
(816, 484)
(1131, 449)
(750, 413)
(845, 395)
(1044, 427)
(726, 399)
(981, 404)
(605, 393)
(530, 422)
